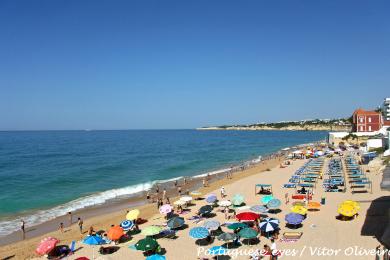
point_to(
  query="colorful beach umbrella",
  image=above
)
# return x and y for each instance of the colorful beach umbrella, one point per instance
(175, 222)
(196, 193)
(93, 240)
(115, 233)
(299, 210)
(227, 236)
(179, 203)
(46, 245)
(211, 198)
(313, 205)
(247, 216)
(267, 198)
(237, 225)
(355, 204)
(298, 203)
(186, 198)
(347, 210)
(274, 204)
(165, 209)
(127, 225)
(156, 257)
(269, 224)
(146, 244)
(205, 209)
(133, 214)
(217, 250)
(151, 231)
(238, 199)
(259, 209)
(224, 203)
(211, 224)
(294, 218)
(199, 232)
(247, 233)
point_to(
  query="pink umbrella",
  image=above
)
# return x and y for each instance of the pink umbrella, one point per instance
(165, 209)
(47, 245)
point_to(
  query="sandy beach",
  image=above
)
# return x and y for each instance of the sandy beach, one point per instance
(324, 237)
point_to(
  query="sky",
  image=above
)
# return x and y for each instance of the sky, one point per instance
(103, 64)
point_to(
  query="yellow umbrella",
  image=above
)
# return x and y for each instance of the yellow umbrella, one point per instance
(353, 203)
(196, 193)
(299, 209)
(179, 202)
(347, 210)
(133, 214)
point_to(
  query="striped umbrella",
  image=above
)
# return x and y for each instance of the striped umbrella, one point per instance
(274, 204)
(267, 198)
(259, 209)
(211, 198)
(247, 233)
(211, 224)
(238, 199)
(269, 224)
(127, 225)
(165, 209)
(294, 218)
(175, 222)
(199, 232)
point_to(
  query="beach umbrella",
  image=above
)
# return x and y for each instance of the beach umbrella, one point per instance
(175, 222)
(259, 209)
(196, 193)
(205, 209)
(127, 225)
(312, 205)
(248, 233)
(299, 210)
(186, 198)
(146, 244)
(238, 199)
(355, 204)
(165, 209)
(247, 216)
(93, 240)
(274, 204)
(237, 225)
(224, 203)
(269, 224)
(199, 232)
(298, 203)
(227, 236)
(211, 224)
(294, 218)
(156, 257)
(133, 214)
(115, 233)
(46, 245)
(151, 231)
(211, 198)
(267, 198)
(179, 203)
(217, 250)
(347, 210)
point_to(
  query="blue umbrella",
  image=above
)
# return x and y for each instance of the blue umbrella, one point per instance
(294, 218)
(127, 225)
(199, 232)
(266, 199)
(175, 222)
(211, 198)
(259, 209)
(93, 240)
(156, 257)
(269, 224)
(274, 204)
(217, 250)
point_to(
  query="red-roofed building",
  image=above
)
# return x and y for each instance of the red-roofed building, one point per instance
(366, 121)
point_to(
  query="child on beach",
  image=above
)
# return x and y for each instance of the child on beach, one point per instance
(62, 227)
(80, 223)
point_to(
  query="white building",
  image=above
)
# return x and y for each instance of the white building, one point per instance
(386, 109)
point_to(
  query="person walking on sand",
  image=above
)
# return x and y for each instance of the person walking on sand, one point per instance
(204, 182)
(70, 218)
(62, 227)
(80, 223)
(274, 250)
(179, 190)
(175, 183)
(22, 228)
(164, 194)
(286, 197)
(223, 192)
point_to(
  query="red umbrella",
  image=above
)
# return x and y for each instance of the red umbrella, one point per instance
(115, 233)
(47, 245)
(247, 216)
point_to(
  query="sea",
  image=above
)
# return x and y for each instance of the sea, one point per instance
(45, 174)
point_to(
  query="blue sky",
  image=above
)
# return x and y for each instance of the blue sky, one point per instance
(182, 64)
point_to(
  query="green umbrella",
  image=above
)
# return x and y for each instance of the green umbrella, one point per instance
(151, 231)
(248, 233)
(238, 199)
(146, 244)
(237, 225)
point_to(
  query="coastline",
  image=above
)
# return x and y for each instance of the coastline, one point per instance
(101, 217)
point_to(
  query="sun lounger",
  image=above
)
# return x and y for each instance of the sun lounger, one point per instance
(292, 235)
(289, 185)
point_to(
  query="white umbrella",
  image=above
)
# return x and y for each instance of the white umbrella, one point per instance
(179, 202)
(186, 198)
(224, 203)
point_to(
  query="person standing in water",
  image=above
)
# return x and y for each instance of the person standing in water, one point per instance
(22, 228)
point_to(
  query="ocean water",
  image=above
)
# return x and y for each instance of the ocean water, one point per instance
(45, 174)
